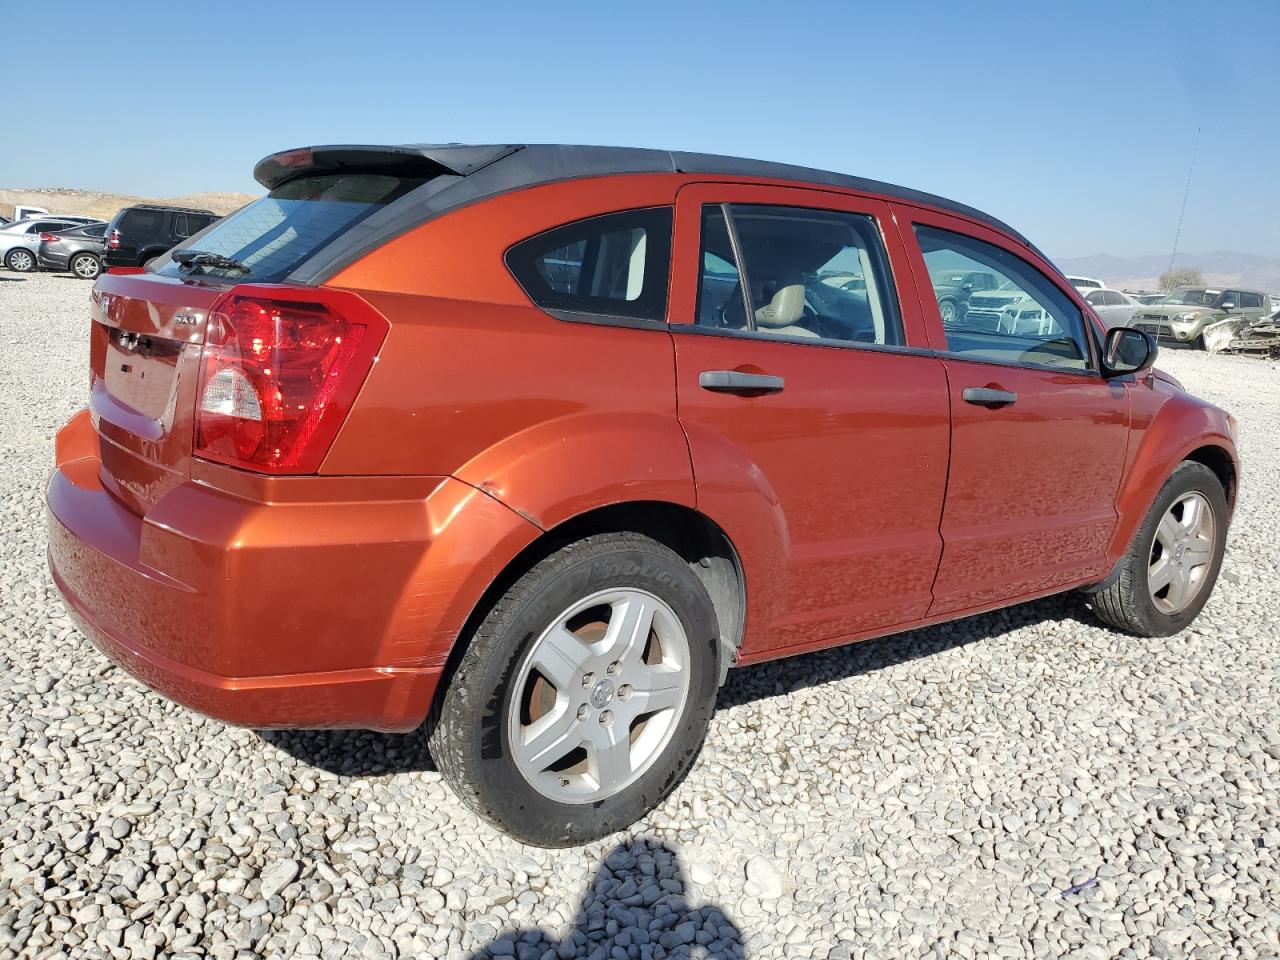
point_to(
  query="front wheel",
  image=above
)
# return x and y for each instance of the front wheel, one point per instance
(1167, 575)
(584, 695)
(948, 311)
(23, 261)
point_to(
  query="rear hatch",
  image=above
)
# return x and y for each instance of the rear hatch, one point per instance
(261, 385)
(144, 363)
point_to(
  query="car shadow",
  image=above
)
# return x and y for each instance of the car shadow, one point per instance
(363, 753)
(635, 904)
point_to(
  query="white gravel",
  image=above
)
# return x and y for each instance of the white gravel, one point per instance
(928, 795)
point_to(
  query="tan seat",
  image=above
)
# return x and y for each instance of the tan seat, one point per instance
(780, 314)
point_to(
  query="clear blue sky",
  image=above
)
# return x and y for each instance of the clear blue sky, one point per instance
(1074, 121)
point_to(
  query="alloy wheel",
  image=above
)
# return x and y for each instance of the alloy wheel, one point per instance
(21, 261)
(1181, 553)
(85, 267)
(599, 695)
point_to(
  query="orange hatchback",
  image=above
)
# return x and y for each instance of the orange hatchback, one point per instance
(535, 442)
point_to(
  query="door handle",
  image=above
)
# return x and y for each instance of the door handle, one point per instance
(735, 381)
(989, 396)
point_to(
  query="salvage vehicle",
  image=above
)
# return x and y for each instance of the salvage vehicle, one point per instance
(20, 240)
(953, 287)
(138, 234)
(1185, 312)
(77, 250)
(534, 443)
(1113, 308)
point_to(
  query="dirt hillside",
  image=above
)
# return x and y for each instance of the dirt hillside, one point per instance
(90, 203)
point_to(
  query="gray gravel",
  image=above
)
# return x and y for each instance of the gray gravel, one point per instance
(932, 794)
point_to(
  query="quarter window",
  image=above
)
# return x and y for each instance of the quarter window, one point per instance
(613, 265)
(796, 272)
(1024, 318)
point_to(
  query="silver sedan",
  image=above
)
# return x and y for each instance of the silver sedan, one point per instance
(20, 241)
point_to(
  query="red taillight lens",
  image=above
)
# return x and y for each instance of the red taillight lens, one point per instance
(279, 372)
(113, 240)
(48, 238)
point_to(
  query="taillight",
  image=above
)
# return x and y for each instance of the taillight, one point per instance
(48, 238)
(113, 240)
(279, 372)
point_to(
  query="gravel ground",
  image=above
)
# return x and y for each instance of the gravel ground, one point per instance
(932, 794)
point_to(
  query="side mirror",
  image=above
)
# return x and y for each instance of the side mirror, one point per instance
(1228, 305)
(1127, 350)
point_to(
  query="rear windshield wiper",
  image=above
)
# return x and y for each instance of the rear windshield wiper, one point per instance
(202, 258)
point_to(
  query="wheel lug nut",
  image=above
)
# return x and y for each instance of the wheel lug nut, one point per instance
(613, 668)
(564, 781)
(624, 692)
(606, 717)
(588, 678)
(583, 711)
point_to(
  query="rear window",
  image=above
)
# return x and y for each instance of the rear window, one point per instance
(613, 265)
(276, 234)
(143, 221)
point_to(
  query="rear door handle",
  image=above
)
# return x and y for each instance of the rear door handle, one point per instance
(735, 381)
(989, 396)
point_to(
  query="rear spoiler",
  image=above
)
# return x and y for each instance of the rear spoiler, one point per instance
(411, 160)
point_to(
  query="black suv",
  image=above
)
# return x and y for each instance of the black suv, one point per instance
(137, 234)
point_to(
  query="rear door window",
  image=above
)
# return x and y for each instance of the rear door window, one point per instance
(614, 265)
(145, 222)
(274, 235)
(796, 272)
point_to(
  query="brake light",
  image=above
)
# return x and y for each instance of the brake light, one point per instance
(48, 238)
(113, 240)
(280, 370)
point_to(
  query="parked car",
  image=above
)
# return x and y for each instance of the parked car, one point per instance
(1144, 298)
(487, 434)
(1085, 284)
(136, 235)
(953, 287)
(1113, 308)
(77, 250)
(1184, 313)
(20, 240)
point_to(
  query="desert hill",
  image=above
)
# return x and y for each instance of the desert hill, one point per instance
(90, 203)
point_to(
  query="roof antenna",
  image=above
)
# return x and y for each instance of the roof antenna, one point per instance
(1186, 193)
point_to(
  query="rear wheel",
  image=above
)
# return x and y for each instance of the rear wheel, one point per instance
(20, 260)
(584, 695)
(85, 266)
(1167, 575)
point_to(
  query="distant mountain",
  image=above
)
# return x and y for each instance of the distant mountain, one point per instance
(1221, 267)
(90, 203)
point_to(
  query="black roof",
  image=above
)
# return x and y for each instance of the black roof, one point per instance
(169, 207)
(459, 174)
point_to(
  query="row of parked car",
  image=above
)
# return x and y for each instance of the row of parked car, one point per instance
(981, 300)
(85, 246)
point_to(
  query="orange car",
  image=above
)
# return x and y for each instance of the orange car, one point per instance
(538, 441)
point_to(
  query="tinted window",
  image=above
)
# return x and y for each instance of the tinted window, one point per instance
(95, 230)
(274, 235)
(614, 265)
(1025, 319)
(1250, 300)
(181, 228)
(796, 272)
(143, 221)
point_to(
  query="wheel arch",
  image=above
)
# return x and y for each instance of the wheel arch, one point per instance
(695, 537)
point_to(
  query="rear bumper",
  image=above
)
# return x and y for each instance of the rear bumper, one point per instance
(327, 602)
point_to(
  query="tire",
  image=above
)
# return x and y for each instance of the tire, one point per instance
(1127, 601)
(20, 260)
(497, 694)
(85, 266)
(948, 310)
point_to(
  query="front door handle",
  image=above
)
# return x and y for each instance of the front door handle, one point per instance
(744, 384)
(989, 396)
